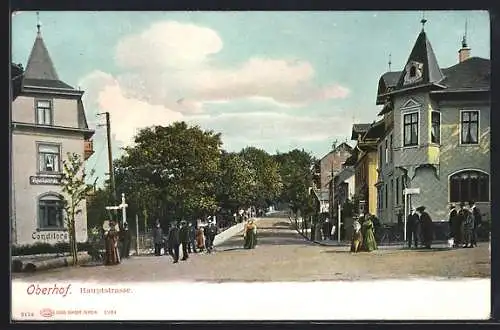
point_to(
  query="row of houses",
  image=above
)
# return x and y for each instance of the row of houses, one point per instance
(430, 143)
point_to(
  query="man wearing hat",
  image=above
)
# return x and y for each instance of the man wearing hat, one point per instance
(426, 224)
(412, 222)
(184, 239)
(461, 216)
(174, 241)
(476, 213)
(453, 224)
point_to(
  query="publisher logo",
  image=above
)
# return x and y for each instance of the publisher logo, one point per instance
(47, 312)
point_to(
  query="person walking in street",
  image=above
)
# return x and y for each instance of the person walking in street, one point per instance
(126, 239)
(192, 238)
(476, 214)
(173, 241)
(460, 234)
(468, 228)
(200, 238)
(249, 235)
(368, 244)
(211, 232)
(412, 228)
(453, 224)
(184, 239)
(426, 225)
(158, 238)
(326, 229)
(111, 232)
(357, 238)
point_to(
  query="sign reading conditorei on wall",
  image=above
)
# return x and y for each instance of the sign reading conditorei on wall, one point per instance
(48, 236)
(45, 180)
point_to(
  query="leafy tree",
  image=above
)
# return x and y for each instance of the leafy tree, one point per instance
(75, 191)
(237, 181)
(268, 184)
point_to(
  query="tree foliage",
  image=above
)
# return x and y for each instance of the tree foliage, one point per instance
(75, 191)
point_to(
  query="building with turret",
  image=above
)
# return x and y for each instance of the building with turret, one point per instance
(48, 121)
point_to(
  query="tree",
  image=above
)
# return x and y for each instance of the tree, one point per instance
(268, 184)
(237, 181)
(75, 191)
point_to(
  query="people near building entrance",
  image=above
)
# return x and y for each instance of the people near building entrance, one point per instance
(184, 239)
(460, 234)
(192, 238)
(368, 244)
(158, 238)
(111, 236)
(426, 226)
(200, 238)
(125, 238)
(412, 222)
(468, 227)
(454, 225)
(250, 235)
(476, 213)
(357, 238)
(173, 241)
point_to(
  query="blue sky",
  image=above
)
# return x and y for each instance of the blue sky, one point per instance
(274, 80)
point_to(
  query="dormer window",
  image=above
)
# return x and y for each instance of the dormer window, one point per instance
(413, 72)
(44, 112)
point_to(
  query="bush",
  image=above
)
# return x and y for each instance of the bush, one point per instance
(45, 248)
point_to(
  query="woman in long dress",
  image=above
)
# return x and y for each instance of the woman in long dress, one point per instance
(200, 239)
(250, 235)
(357, 237)
(369, 244)
(111, 232)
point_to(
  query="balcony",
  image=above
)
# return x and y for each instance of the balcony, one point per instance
(88, 149)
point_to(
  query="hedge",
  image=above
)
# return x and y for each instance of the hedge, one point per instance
(46, 248)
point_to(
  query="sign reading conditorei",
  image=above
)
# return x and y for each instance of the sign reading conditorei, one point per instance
(45, 180)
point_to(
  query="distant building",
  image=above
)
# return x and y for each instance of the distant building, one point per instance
(437, 133)
(48, 121)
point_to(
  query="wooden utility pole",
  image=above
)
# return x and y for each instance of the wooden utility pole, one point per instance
(110, 156)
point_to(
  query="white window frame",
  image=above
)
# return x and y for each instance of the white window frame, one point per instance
(49, 196)
(440, 127)
(50, 109)
(59, 164)
(403, 114)
(478, 128)
(466, 170)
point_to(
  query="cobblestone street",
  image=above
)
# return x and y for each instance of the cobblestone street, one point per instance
(283, 255)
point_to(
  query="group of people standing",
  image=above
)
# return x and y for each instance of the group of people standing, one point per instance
(419, 228)
(193, 239)
(363, 236)
(464, 223)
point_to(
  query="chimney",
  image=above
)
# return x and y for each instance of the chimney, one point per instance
(464, 52)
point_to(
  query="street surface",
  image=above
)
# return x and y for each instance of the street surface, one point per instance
(284, 255)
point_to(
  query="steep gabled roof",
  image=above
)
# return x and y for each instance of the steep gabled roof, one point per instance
(423, 53)
(40, 70)
(377, 130)
(473, 73)
(359, 129)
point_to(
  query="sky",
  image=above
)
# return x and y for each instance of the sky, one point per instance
(273, 80)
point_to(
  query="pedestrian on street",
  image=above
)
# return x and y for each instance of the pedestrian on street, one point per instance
(476, 214)
(192, 238)
(369, 244)
(184, 239)
(326, 229)
(412, 228)
(249, 235)
(426, 225)
(453, 221)
(211, 232)
(200, 238)
(111, 232)
(174, 241)
(158, 238)
(357, 238)
(126, 239)
(468, 228)
(460, 234)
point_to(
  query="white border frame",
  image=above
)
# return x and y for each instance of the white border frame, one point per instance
(464, 170)
(478, 128)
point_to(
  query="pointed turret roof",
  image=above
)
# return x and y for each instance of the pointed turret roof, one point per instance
(40, 70)
(422, 53)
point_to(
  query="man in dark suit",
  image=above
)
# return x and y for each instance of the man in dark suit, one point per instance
(184, 239)
(412, 227)
(461, 216)
(476, 213)
(192, 238)
(453, 223)
(426, 225)
(174, 241)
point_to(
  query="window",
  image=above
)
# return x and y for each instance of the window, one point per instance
(470, 185)
(50, 212)
(413, 71)
(469, 127)
(435, 127)
(386, 195)
(380, 157)
(410, 129)
(49, 158)
(397, 191)
(390, 148)
(392, 192)
(44, 112)
(386, 151)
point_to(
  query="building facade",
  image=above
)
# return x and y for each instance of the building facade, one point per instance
(48, 121)
(437, 134)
